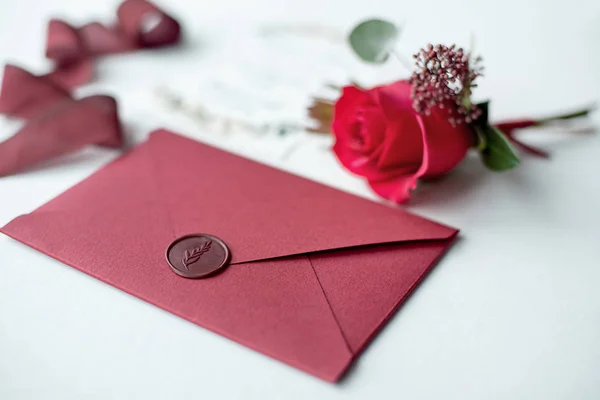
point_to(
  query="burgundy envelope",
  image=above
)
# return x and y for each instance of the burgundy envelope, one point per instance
(314, 272)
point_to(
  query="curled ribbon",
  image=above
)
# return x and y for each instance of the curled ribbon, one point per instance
(140, 25)
(63, 128)
(24, 95)
(56, 123)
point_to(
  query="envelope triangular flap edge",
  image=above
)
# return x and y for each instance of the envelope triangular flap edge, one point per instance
(260, 212)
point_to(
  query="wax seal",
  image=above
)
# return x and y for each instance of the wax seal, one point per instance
(197, 256)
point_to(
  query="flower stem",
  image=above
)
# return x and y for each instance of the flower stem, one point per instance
(480, 138)
(466, 98)
(577, 114)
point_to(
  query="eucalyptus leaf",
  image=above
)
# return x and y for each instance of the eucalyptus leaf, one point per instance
(373, 40)
(498, 154)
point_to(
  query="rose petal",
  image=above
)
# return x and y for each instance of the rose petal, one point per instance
(350, 98)
(396, 189)
(445, 146)
(373, 129)
(346, 126)
(403, 145)
(394, 97)
(364, 165)
(348, 157)
(442, 151)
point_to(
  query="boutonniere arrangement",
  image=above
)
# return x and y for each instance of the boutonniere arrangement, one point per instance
(420, 128)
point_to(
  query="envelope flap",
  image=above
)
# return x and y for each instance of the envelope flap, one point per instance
(262, 212)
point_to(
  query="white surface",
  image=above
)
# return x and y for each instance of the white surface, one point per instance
(513, 310)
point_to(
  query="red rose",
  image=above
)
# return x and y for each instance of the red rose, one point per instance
(381, 137)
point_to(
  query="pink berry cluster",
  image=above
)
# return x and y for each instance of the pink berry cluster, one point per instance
(444, 77)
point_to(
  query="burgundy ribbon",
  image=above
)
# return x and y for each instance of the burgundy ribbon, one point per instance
(57, 124)
(139, 25)
(63, 128)
(24, 95)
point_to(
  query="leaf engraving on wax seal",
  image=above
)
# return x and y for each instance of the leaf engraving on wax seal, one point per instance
(190, 257)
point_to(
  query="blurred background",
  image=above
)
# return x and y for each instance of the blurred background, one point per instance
(263, 60)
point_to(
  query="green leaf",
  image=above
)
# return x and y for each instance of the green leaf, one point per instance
(483, 120)
(372, 40)
(498, 154)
